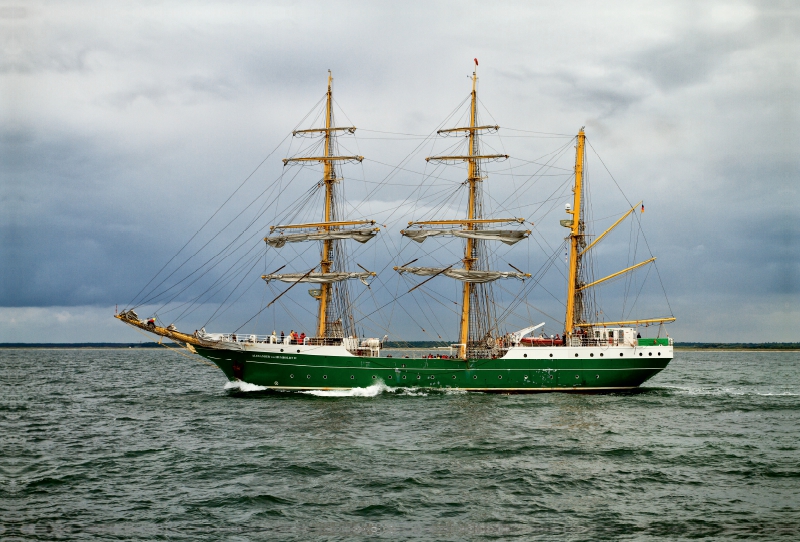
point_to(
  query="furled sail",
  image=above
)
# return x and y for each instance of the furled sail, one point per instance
(463, 275)
(319, 278)
(509, 237)
(360, 235)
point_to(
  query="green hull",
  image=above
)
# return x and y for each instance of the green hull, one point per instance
(319, 372)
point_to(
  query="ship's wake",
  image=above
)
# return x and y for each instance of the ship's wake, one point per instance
(731, 391)
(370, 391)
(374, 390)
(244, 386)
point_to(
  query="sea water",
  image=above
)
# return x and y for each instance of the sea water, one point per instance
(146, 444)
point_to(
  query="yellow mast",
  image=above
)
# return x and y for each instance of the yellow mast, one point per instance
(327, 245)
(468, 256)
(576, 238)
(328, 223)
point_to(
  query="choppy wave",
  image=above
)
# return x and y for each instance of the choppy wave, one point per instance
(733, 391)
(718, 432)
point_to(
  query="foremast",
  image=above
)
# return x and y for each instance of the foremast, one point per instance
(577, 241)
(331, 232)
(475, 326)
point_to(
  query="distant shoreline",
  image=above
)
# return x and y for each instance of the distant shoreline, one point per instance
(739, 347)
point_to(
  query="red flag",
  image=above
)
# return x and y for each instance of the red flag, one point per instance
(476, 61)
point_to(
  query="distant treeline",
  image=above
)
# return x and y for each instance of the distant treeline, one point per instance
(739, 346)
(387, 344)
(416, 344)
(80, 345)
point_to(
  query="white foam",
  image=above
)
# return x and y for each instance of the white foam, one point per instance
(370, 391)
(412, 392)
(244, 386)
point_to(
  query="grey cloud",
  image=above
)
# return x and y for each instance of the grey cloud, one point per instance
(604, 94)
(687, 60)
(699, 51)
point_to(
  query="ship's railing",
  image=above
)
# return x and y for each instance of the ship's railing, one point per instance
(246, 338)
(541, 342)
(591, 341)
(361, 347)
(436, 352)
(276, 339)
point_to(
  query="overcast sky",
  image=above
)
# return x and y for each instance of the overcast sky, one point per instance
(126, 124)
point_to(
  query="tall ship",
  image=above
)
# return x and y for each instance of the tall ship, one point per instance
(588, 355)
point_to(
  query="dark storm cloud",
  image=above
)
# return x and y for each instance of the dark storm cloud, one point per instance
(66, 244)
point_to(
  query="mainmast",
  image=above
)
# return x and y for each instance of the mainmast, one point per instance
(474, 177)
(331, 231)
(476, 325)
(329, 178)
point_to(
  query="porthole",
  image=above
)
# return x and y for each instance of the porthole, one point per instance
(291, 376)
(431, 377)
(620, 354)
(524, 355)
(454, 377)
(390, 377)
(281, 349)
(418, 377)
(325, 377)
(374, 377)
(601, 354)
(640, 354)
(577, 377)
(474, 377)
(500, 377)
(591, 355)
(659, 353)
(404, 377)
(597, 376)
(551, 377)
(352, 377)
(551, 355)
(649, 353)
(576, 354)
(308, 376)
(298, 351)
